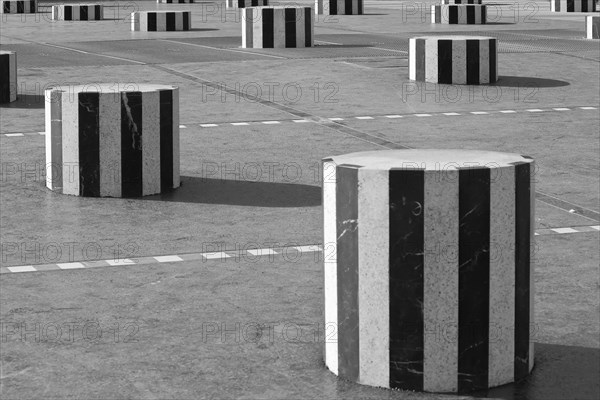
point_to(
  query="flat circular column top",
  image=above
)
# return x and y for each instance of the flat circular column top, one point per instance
(280, 7)
(112, 88)
(429, 159)
(160, 11)
(78, 4)
(453, 37)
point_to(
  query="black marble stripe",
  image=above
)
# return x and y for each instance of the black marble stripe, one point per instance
(438, 14)
(492, 56)
(186, 21)
(83, 13)
(570, 6)
(348, 7)
(6, 7)
(89, 144)
(56, 166)
(308, 17)
(151, 22)
(420, 59)
(241, 3)
(249, 28)
(32, 7)
(473, 61)
(131, 144)
(333, 7)
(68, 13)
(483, 13)
(584, 6)
(170, 21)
(97, 13)
(406, 286)
(5, 78)
(522, 267)
(473, 278)
(347, 270)
(452, 15)
(445, 61)
(20, 7)
(166, 139)
(470, 15)
(290, 27)
(268, 28)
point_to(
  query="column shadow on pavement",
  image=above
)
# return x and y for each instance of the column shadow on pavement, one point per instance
(528, 82)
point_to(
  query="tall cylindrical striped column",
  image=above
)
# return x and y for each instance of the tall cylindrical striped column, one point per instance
(428, 268)
(277, 27)
(460, 1)
(470, 60)
(18, 6)
(592, 27)
(8, 76)
(246, 3)
(160, 21)
(573, 5)
(175, 1)
(110, 140)
(339, 7)
(77, 12)
(469, 14)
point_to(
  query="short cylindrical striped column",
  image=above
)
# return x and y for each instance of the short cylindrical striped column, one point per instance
(159, 21)
(470, 60)
(246, 3)
(592, 27)
(277, 27)
(175, 1)
(110, 140)
(460, 1)
(428, 268)
(77, 12)
(467, 14)
(18, 6)
(339, 7)
(8, 76)
(573, 5)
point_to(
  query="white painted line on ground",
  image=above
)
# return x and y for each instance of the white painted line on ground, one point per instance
(208, 125)
(239, 123)
(308, 249)
(217, 255)
(393, 116)
(588, 108)
(561, 109)
(479, 112)
(363, 117)
(452, 113)
(71, 265)
(508, 111)
(336, 119)
(262, 252)
(564, 230)
(168, 258)
(596, 227)
(299, 121)
(182, 126)
(535, 110)
(14, 134)
(24, 268)
(42, 133)
(271, 122)
(125, 261)
(422, 115)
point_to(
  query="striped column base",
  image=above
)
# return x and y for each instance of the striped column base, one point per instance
(78, 12)
(18, 6)
(110, 140)
(160, 21)
(8, 76)
(175, 1)
(429, 268)
(460, 2)
(277, 27)
(470, 60)
(573, 5)
(339, 7)
(464, 14)
(592, 27)
(233, 4)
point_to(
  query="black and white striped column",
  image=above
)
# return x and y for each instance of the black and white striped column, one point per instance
(175, 1)
(470, 60)
(246, 3)
(107, 140)
(592, 27)
(8, 76)
(460, 1)
(160, 21)
(464, 14)
(573, 5)
(339, 7)
(277, 27)
(428, 268)
(77, 12)
(18, 6)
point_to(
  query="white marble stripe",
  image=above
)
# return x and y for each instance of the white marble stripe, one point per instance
(431, 60)
(75, 14)
(330, 265)
(50, 168)
(70, 143)
(176, 167)
(373, 277)
(151, 142)
(161, 22)
(532, 255)
(459, 61)
(440, 281)
(256, 21)
(279, 27)
(300, 31)
(179, 21)
(484, 61)
(501, 348)
(110, 144)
